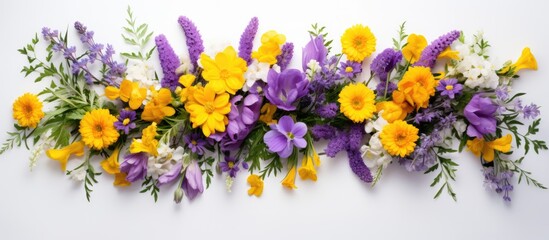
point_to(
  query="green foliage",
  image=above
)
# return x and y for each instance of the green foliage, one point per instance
(90, 179)
(320, 31)
(13, 139)
(447, 172)
(150, 185)
(137, 35)
(207, 165)
(399, 43)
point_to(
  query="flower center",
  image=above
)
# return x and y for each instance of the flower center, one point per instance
(224, 74)
(449, 87)
(98, 131)
(209, 107)
(348, 69)
(27, 108)
(126, 121)
(193, 142)
(358, 42)
(400, 139)
(231, 164)
(291, 135)
(357, 103)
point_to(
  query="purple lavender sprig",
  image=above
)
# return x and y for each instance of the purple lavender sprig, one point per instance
(193, 38)
(385, 62)
(431, 52)
(283, 60)
(169, 62)
(247, 40)
(357, 165)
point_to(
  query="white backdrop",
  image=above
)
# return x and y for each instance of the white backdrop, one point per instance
(44, 204)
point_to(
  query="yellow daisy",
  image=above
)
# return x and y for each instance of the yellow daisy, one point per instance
(358, 43)
(97, 129)
(399, 138)
(27, 110)
(225, 72)
(357, 102)
(208, 110)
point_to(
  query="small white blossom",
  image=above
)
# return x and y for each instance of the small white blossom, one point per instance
(376, 125)
(78, 174)
(166, 159)
(312, 67)
(141, 72)
(257, 71)
(374, 154)
(460, 127)
(186, 65)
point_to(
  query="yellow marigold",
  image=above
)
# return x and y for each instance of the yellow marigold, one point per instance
(97, 129)
(158, 108)
(209, 110)
(358, 43)
(129, 92)
(289, 180)
(270, 47)
(256, 185)
(418, 85)
(27, 110)
(225, 73)
(357, 102)
(414, 47)
(62, 155)
(486, 149)
(147, 143)
(399, 138)
(267, 112)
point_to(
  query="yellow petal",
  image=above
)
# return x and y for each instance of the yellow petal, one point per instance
(502, 144)
(120, 180)
(112, 93)
(256, 185)
(111, 165)
(526, 61)
(289, 180)
(62, 155)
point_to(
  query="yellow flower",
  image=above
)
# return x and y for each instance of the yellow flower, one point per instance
(307, 169)
(147, 143)
(525, 61)
(226, 72)
(209, 110)
(111, 165)
(414, 47)
(120, 180)
(62, 155)
(399, 138)
(391, 111)
(358, 43)
(316, 158)
(129, 92)
(449, 53)
(289, 180)
(186, 80)
(357, 102)
(97, 129)
(267, 112)
(256, 185)
(418, 85)
(486, 149)
(270, 47)
(27, 110)
(158, 108)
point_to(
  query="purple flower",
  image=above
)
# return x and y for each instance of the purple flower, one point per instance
(357, 165)
(314, 50)
(329, 110)
(498, 181)
(192, 183)
(380, 88)
(385, 62)
(350, 69)
(284, 58)
(135, 165)
(431, 52)
(125, 121)
(479, 112)
(247, 40)
(169, 62)
(356, 133)
(285, 135)
(286, 88)
(530, 111)
(337, 144)
(171, 175)
(196, 143)
(231, 165)
(194, 40)
(502, 93)
(48, 34)
(449, 87)
(323, 132)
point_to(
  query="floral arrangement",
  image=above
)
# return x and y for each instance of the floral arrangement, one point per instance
(234, 110)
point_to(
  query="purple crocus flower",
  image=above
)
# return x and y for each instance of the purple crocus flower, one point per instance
(247, 40)
(169, 62)
(479, 112)
(196, 143)
(430, 53)
(192, 183)
(286, 88)
(285, 135)
(135, 165)
(385, 62)
(194, 40)
(314, 50)
(171, 175)
(125, 121)
(284, 58)
(350, 69)
(449, 87)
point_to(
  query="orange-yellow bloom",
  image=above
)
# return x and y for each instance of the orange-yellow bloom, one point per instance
(129, 92)
(414, 47)
(27, 110)
(256, 185)
(97, 129)
(449, 53)
(358, 43)
(270, 47)
(111, 165)
(307, 169)
(484, 149)
(209, 110)
(399, 138)
(187, 90)
(525, 61)
(267, 112)
(391, 111)
(158, 108)
(120, 180)
(225, 73)
(417, 86)
(289, 180)
(357, 102)
(147, 143)
(62, 155)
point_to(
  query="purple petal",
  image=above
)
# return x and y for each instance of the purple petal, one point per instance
(299, 130)
(275, 140)
(300, 142)
(285, 124)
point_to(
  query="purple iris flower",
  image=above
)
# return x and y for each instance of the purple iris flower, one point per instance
(286, 88)
(172, 175)
(314, 50)
(125, 121)
(449, 87)
(192, 183)
(196, 143)
(479, 112)
(285, 135)
(135, 165)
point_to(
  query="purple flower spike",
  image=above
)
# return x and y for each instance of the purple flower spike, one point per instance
(323, 132)
(314, 50)
(357, 165)
(431, 52)
(286, 88)
(449, 87)
(337, 144)
(329, 110)
(135, 165)
(479, 112)
(285, 135)
(192, 183)
(283, 60)
(169, 62)
(194, 40)
(385, 62)
(247, 40)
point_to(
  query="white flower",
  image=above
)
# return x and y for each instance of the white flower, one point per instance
(166, 159)
(229, 183)
(312, 67)
(478, 71)
(377, 125)
(142, 72)
(78, 174)
(186, 65)
(374, 154)
(460, 127)
(256, 71)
